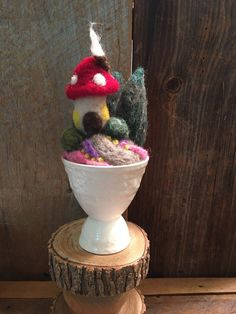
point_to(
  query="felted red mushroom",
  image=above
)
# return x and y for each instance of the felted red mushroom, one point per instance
(90, 83)
(91, 79)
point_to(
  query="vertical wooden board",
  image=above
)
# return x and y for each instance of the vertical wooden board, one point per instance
(187, 200)
(41, 43)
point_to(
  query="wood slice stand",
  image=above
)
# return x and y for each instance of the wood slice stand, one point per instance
(97, 283)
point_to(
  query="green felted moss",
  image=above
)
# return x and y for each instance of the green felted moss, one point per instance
(71, 139)
(116, 128)
(132, 107)
(112, 100)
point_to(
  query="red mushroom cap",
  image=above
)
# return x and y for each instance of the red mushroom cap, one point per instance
(91, 79)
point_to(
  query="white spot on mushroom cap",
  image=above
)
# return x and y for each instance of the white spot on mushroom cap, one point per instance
(99, 79)
(74, 79)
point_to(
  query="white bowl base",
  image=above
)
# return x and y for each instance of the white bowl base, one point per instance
(104, 237)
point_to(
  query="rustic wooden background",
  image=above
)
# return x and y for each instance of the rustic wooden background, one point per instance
(41, 42)
(187, 200)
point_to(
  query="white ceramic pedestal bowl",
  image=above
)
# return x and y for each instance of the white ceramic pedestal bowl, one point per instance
(104, 193)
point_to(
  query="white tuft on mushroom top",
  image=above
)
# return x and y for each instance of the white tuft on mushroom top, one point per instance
(96, 48)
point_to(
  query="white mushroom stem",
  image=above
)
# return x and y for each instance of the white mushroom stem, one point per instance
(96, 48)
(86, 104)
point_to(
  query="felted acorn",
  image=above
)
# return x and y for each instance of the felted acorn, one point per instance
(89, 87)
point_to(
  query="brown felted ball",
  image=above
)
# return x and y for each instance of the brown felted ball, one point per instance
(92, 123)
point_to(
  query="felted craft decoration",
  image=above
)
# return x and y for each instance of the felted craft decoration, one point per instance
(104, 151)
(109, 115)
(71, 139)
(132, 107)
(91, 79)
(112, 100)
(117, 128)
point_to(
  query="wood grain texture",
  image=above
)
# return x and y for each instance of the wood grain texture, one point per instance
(131, 302)
(187, 199)
(155, 305)
(185, 286)
(149, 287)
(87, 274)
(26, 306)
(225, 304)
(28, 289)
(41, 43)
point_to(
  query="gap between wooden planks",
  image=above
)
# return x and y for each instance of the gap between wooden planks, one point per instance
(149, 287)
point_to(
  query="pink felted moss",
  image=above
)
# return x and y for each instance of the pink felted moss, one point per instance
(143, 154)
(102, 150)
(79, 158)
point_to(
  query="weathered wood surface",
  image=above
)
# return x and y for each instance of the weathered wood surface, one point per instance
(26, 306)
(184, 286)
(87, 274)
(155, 305)
(149, 287)
(131, 302)
(41, 43)
(204, 304)
(187, 199)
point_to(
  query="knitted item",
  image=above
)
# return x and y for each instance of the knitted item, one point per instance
(81, 158)
(71, 139)
(111, 153)
(89, 149)
(116, 128)
(86, 82)
(103, 150)
(132, 107)
(143, 154)
(112, 100)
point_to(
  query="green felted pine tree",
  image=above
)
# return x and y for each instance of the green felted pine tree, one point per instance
(132, 107)
(112, 100)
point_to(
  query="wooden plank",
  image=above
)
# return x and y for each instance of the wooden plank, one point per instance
(206, 304)
(25, 306)
(149, 287)
(41, 43)
(177, 286)
(155, 305)
(28, 289)
(187, 198)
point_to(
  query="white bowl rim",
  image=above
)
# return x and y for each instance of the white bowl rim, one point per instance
(133, 165)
